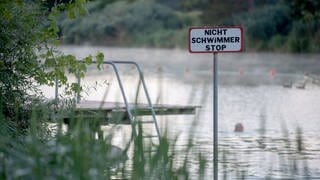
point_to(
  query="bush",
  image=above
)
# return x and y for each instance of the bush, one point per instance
(268, 21)
(304, 36)
(28, 57)
(298, 40)
(273, 27)
(20, 35)
(277, 43)
(120, 21)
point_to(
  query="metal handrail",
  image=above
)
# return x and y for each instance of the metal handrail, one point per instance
(123, 93)
(145, 91)
(113, 64)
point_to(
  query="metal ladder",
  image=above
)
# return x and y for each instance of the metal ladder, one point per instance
(132, 108)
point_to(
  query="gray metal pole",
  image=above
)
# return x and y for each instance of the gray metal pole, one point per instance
(146, 92)
(215, 116)
(78, 95)
(56, 92)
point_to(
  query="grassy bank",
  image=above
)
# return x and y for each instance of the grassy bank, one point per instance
(44, 153)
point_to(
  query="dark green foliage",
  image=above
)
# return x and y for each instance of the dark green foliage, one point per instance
(267, 22)
(118, 22)
(18, 59)
(223, 12)
(275, 27)
(191, 5)
(306, 10)
(174, 4)
(304, 36)
(28, 57)
(263, 2)
(296, 44)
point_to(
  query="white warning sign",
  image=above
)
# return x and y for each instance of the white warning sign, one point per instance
(215, 39)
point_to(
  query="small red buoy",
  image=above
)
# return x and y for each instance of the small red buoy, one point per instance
(272, 73)
(241, 72)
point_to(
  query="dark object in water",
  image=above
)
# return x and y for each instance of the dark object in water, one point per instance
(301, 85)
(238, 127)
(288, 84)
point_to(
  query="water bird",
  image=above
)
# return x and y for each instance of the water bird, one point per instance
(288, 84)
(301, 85)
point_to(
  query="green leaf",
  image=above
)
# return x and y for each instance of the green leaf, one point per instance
(88, 60)
(82, 67)
(56, 42)
(71, 14)
(7, 15)
(99, 58)
(50, 62)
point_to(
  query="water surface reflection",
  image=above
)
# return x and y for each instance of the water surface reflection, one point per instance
(250, 91)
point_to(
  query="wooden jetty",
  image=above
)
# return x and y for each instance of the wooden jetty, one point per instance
(96, 113)
(116, 112)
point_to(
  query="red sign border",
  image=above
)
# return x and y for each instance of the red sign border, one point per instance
(208, 27)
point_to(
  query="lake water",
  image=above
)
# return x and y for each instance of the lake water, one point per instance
(251, 92)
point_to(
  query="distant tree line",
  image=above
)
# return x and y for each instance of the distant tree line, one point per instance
(274, 25)
(288, 25)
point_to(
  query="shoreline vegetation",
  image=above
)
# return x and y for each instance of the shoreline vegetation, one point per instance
(276, 26)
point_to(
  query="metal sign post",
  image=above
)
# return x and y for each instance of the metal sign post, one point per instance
(215, 115)
(215, 40)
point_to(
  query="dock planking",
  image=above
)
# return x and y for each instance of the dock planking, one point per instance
(116, 112)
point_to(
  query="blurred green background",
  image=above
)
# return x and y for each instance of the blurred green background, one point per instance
(270, 25)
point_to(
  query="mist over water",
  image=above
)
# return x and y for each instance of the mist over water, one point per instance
(251, 92)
